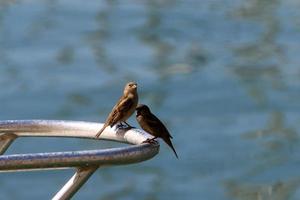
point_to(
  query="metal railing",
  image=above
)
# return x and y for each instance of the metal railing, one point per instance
(86, 162)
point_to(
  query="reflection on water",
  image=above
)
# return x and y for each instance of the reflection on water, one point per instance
(44, 21)
(153, 35)
(262, 58)
(98, 38)
(278, 142)
(277, 190)
(260, 67)
(225, 79)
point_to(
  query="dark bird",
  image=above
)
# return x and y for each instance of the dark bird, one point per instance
(124, 108)
(151, 124)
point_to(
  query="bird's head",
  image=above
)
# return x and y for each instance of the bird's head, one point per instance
(142, 109)
(130, 87)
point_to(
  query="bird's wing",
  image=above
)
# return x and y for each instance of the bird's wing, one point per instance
(121, 109)
(153, 121)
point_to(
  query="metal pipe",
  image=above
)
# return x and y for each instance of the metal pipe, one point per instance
(75, 183)
(78, 129)
(5, 141)
(86, 162)
(114, 156)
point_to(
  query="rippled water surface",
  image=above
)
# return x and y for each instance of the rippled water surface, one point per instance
(223, 75)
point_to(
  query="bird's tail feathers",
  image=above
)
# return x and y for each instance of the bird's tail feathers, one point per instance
(99, 132)
(169, 143)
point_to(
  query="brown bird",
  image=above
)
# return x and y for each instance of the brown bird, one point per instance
(153, 125)
(124, 108)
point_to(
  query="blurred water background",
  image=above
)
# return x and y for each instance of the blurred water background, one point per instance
(223, 75)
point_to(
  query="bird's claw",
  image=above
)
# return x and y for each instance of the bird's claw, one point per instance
(150, 141)
(123, 126)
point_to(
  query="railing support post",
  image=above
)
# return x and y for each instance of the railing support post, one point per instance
(74, 184)
(5, 140)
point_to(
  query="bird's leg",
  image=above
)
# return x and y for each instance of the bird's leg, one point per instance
(120, 125)
(124, 126)
(151, 141)
(129, 126)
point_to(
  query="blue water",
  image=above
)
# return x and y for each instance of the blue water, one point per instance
(223, 75)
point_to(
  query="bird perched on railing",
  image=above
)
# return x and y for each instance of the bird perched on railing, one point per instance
(150, 123)
(124, 108)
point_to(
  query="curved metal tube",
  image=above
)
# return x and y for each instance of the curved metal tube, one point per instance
(86, 162)
(52, 128)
